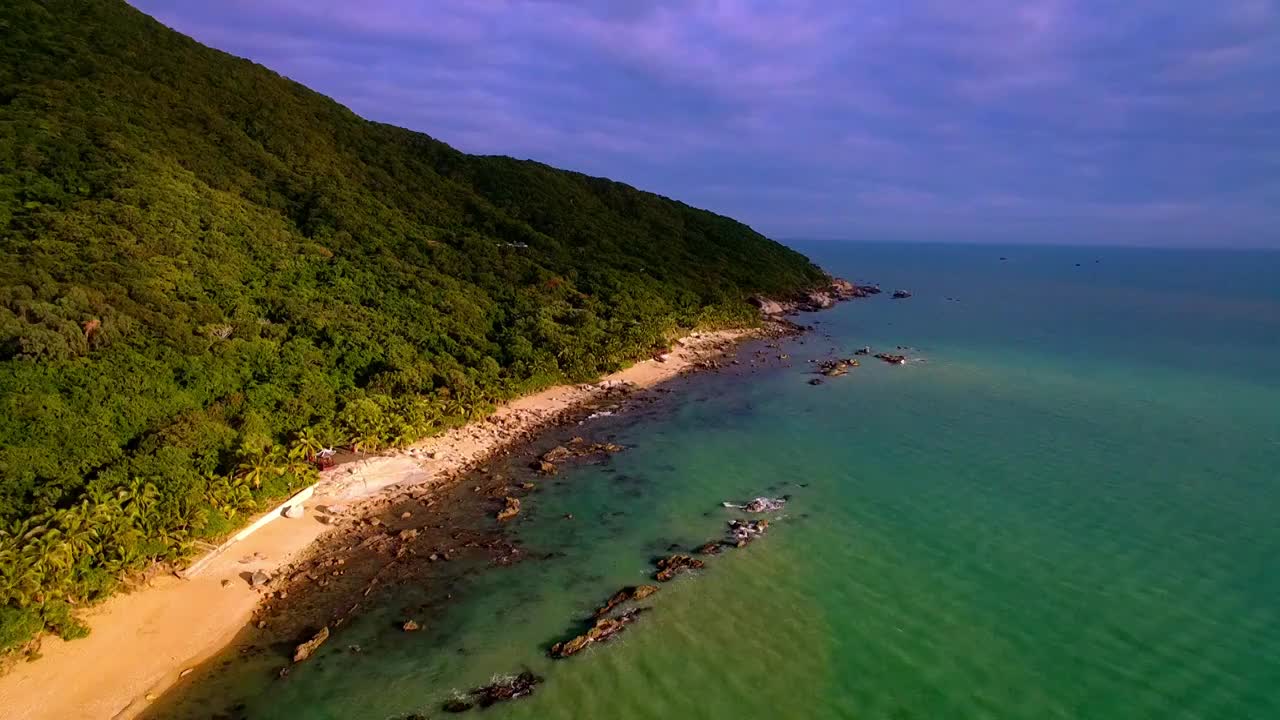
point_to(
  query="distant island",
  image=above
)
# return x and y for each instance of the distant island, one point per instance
(211, 273)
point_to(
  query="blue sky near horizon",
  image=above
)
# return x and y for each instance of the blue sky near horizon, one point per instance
(1148, 122)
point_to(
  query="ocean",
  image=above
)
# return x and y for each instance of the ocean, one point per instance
(1065, 505)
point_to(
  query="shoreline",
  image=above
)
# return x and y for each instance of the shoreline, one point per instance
(170, 626)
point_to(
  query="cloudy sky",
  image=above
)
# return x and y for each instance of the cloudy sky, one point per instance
(1076, 121)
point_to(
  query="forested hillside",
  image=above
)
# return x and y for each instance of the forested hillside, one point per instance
(208, 271)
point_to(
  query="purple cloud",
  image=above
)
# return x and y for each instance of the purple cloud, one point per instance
(1150, 121)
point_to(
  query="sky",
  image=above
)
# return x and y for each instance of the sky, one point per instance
(1137, 122)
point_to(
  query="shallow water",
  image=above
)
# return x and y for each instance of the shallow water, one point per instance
(1065, 507)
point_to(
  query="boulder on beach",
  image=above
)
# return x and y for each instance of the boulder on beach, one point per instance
(768, 306)
(294, 511)
(259, 579)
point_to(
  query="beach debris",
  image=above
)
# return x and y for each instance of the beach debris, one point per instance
(259, 578)
(510, 510)
(324, 459)
(901, 294)
(186, 672)
(604, 629)
(294, 511)
(669, 567)
(892, 359)
(410, 626)
(760, 504)
(742, 532)
(502, 689)
(626, 594)
(306, 649)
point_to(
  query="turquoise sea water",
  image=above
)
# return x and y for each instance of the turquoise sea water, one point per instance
(1069, 507)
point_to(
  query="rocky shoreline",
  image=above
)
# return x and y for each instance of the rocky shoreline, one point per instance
(447, 530)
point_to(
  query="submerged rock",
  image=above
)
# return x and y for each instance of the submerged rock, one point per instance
(669, 567)
(305, 650)
(892, 359)
(901, 294)
(760, 504)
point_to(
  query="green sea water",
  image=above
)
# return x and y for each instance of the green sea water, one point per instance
(1066, 506)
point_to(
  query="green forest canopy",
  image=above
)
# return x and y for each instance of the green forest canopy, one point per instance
(209, 271)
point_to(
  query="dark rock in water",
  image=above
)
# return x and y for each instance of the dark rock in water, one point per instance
(556, 454)
(510, 510)
(503, 690)
(669, 567)
(901, 294)
(306, 649)
(603, 630)
(864, 350)
(892, 359)
(576, 448)
(742, 532)
(711, 548)
(816, 381)
(837, 367)
(627, 594)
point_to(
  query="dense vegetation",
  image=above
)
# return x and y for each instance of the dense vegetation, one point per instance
(210, 271)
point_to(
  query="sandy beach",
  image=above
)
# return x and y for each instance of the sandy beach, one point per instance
(142, 642)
